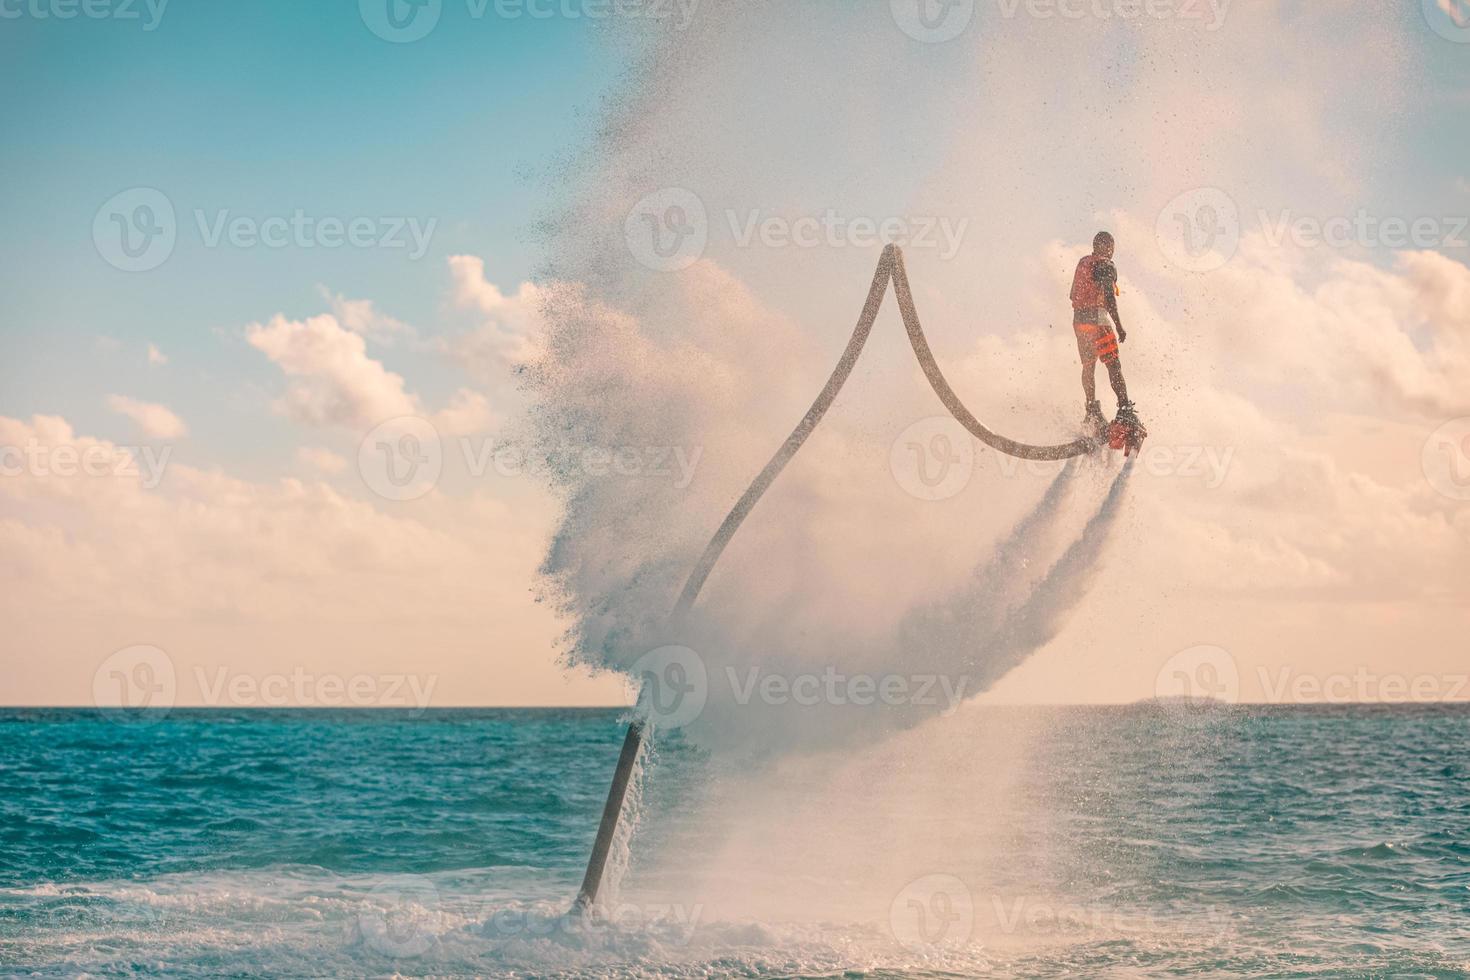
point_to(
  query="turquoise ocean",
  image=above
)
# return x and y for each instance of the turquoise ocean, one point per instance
(1145, 840)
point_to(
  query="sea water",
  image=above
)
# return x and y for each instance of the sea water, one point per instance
(1132, 841)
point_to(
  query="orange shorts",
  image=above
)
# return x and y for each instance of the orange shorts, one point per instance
(1096, 341)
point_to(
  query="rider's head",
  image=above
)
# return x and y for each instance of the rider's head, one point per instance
(1102, 245)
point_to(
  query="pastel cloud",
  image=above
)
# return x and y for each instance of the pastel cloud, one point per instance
(361, 316)
(153, 421)
(333, 380)
(467, 413)
(321, 460)
(509, 335)
(93, 559)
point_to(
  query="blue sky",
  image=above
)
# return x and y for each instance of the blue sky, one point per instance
(261, 109)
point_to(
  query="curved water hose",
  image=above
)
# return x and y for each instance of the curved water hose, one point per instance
(890, 267)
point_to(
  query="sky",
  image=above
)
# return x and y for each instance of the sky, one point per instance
(245, 539)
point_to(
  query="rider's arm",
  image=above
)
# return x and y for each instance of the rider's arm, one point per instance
(1105, 274)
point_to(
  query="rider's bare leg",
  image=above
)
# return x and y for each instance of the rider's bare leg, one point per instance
(1115, 375)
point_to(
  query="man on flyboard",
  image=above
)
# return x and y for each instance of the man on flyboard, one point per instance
(1095, 293)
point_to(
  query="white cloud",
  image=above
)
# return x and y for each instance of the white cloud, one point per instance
(263, 577)
(1352, 332)
(511, 333)
(321, 460)
(361, 316)
(334, 381)
(156, 356)
(468, 412)
(153, 421)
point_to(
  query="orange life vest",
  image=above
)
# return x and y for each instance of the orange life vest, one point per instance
(1087, 294)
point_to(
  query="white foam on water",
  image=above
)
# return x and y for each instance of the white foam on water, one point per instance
(306, 921)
